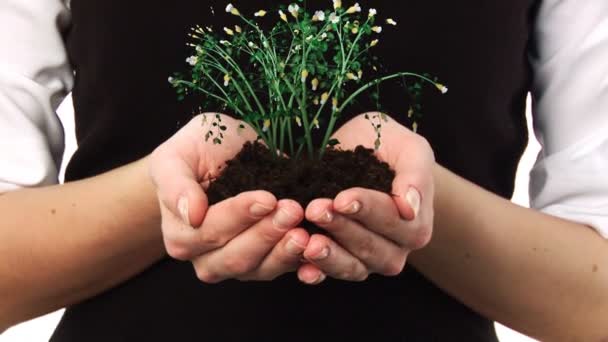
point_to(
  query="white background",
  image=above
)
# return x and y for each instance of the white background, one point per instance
(39, 330)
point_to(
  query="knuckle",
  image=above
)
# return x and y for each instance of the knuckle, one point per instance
(238, 265)
(352, 272)
(177, 252)
(422, 237)
(367, 249)
(210, 240)
(205, 276)
(271, 234)
(394, 267)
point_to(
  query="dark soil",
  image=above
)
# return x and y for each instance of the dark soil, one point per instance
(255, 168)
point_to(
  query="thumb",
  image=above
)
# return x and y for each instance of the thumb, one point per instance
(413, 184)
(178, 189)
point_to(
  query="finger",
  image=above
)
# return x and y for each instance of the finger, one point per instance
(222, 223)
(178, 188)
(377, 212)
(377, 253)
(245, 252)
(311, 274)
(285, 256)
(333, 260)
(413, 184)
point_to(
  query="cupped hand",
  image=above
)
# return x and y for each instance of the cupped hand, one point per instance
(251, 236)
(369, 231)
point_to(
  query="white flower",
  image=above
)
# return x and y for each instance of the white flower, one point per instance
(226, 80)
(334, 18)
(315, 84)
(229, 31)
(283, 16)
(315, 123)
(391, 22)
(337, 4)
(294, 9)
(224, 42)
(309, 38)
(232, 10)
(377, 29)
(266, 125)
(304, 75)
(252, 45)
(443, 89)
(238, 29)
(199, 49)
(374, 43)
(334, 104)
(324, 98)
(351, 76)
(372, 12)
(318, 16)
(192, 60)
(353, 9)
(170, 79)
(260, 13)
(323, 35)
(298, 121)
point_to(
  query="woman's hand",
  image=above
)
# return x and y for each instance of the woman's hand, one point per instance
(248, 237)
(373, 232)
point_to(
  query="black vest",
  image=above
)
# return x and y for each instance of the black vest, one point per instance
(123, 53)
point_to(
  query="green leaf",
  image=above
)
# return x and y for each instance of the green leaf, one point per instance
(377, 144)
(333, 142)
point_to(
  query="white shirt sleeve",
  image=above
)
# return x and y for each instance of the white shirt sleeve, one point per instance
(34, 77)
(570, 107)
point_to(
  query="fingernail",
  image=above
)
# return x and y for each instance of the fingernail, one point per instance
(352, 208)
(293, 247)
(182, 207)
(319, 280)
(326, 217)
(259, 210)
(323, 254)
(284, 219)
(413, 199)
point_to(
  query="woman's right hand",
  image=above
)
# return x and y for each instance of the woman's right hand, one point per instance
(252, 236)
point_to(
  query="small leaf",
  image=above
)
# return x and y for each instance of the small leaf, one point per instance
(333, 142)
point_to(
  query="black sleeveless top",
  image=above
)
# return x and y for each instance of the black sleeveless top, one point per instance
(123, 53)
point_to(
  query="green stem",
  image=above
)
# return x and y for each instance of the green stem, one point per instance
(290, 137)
(380, 80)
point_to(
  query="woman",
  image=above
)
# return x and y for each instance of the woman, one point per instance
(488, 259)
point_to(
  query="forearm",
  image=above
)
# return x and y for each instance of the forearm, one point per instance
(65, 243)
(538, 274)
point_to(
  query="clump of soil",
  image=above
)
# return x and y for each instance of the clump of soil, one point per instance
(304, 180)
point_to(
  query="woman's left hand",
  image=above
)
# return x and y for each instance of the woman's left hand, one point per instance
(373, 232)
